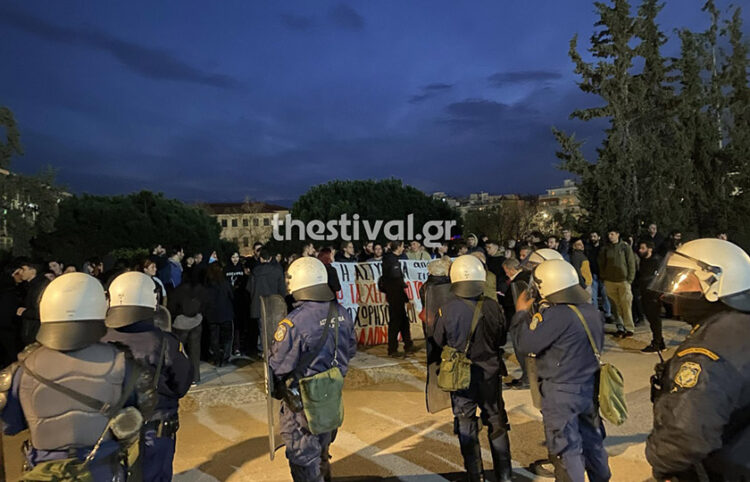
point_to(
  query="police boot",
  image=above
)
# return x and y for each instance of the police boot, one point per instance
(305, 474)
(561, 471)
(467, 430)
(500, 448)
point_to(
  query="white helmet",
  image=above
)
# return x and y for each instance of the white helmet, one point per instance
(540, 255)
(467, 276)
(713, 268)
(71, 312)
(557, 282)
(132, 298)
(308, 280)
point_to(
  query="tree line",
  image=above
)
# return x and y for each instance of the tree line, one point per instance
(676, 149)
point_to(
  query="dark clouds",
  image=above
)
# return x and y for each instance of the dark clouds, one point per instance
(429, 91)
(446, 96)
(502, 79)
(346, 17)
(146, 61)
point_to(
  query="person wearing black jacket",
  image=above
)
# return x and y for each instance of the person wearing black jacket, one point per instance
(326, 257)
(235, 273)
(393, 285)
(265, 279)
(10, 300)
(187, 305)
(518, 281)
(219, 314)
(29, 312)
(650, 263)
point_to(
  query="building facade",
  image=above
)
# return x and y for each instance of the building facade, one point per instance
(246, 223)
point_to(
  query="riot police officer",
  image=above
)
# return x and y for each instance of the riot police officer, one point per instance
(69, 389)
(133, 300)
(298, 351)
(567, 369)
(702, 398)
(453, 328)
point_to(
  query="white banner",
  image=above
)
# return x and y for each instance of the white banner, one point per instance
(366, 304)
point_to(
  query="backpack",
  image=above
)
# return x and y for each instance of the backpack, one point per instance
(455, 366)
(611, 393)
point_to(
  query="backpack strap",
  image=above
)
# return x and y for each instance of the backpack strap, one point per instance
(474, 320)
(308, 359)
(588, 332)
(105, 408)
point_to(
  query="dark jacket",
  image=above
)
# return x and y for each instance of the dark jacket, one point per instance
(562, 348)
(521, 281)
(705, 404)
(495, 265)
(145, 343)
(647, 271)
(486, 350)
(581, 263)
(341, 258)
(617, 263)
(592, 253)
(234, 273)
(188, 300)
(30, 316)
(265, 280)
(333, 279)
(393, 279)
(220, 306)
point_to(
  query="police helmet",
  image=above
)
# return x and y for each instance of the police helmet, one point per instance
(71, 312)
(308, 280)
(537, 257)
(712, 268)
(557, 282)
(467, 276)
(132, 298)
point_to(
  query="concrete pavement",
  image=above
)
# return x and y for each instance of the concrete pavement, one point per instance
(387, 433)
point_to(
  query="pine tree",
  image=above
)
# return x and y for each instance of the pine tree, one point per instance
(610, 188)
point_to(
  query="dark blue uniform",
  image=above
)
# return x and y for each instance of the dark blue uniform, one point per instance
(296, 336)
(702, 415)
(160, 430)
(104, 466)
(452, 328)
(567, 369)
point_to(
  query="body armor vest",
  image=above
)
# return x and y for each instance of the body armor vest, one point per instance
(56, 421)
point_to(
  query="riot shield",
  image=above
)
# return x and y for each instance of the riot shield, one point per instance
(435, 295)
(163, 319)
(516, 288)
(272, 311)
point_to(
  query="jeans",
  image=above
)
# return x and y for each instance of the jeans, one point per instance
(598, 290)
(621, 296)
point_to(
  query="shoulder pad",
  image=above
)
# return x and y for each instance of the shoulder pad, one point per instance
(24, 354)
(6, 377)
(6, 381)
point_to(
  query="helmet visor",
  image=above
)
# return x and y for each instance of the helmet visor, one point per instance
(684, 276)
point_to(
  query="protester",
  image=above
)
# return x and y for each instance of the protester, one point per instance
(347, 253)
(265, 280)
(10, 336)
(581, 263)
(219, 314)
(188, 305)
(647, 270)
(29, 312)
(518, 282)
(367, 252)
(417, 252)
(472, 244)
(565, 244)
(598, 290)
(377, 252)
(617, 269)
(235, 274)
(171, 274)
(56, 268)
(495, 261)
(326, 258)
(656, 238)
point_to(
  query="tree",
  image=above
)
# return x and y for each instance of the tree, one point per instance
(98, 225)
(28, 204)
(610, 189)
(510, 219)
(384, 200)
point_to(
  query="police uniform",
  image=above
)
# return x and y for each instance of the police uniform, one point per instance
(160, 430)
(59, 426)
(296, 336)
(452, 328)
(702, 413)
(60, 388)
(567, 369)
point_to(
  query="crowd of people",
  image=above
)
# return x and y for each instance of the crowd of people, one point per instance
(212, 306)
